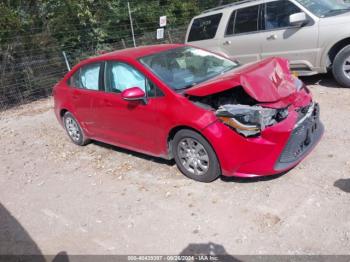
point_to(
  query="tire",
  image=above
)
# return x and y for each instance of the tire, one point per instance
(195, 157)
(74, 130)
(340, 72)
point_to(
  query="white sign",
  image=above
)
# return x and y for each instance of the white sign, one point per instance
(160, 33)
(162, 21)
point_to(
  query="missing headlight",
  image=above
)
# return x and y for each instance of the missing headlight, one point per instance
(250, 120)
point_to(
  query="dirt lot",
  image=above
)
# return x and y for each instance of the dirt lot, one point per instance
(100, 199)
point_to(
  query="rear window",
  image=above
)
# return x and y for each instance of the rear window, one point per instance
(204, 28)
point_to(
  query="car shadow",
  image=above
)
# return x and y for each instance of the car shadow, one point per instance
(325, 80)
(242, 180)
(172, 163)
(17, 245)
(154, 159)
(343, 184)
(207, 249)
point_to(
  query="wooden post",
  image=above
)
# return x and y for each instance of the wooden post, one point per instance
(170, 39)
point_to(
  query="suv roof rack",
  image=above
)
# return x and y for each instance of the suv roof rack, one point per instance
(228, 5)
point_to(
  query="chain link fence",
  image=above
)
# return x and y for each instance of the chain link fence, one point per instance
(29, 67)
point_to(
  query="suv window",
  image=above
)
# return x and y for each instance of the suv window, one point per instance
(87, 77)
(246, 20)
(121, 76)
(231, 24)
(277, 14)
(204, 28)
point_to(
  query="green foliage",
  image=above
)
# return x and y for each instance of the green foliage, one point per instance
(33, 34)
(10, 23)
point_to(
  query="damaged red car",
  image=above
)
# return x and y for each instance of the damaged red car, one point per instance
(209, 113)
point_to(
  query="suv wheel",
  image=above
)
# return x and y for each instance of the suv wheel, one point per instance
(74, 130)
(195, 157)
(341, 67)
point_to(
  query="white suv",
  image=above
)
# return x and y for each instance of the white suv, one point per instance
(313, 34)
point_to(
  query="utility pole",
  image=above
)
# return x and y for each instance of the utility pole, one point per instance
(132, 26)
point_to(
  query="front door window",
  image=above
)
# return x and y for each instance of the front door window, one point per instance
(121, 76)
(278, 13)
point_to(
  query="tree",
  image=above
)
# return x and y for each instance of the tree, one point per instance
(33, 34)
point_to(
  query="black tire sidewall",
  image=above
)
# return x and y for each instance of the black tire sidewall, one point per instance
(337, 69)
(82, 139)
(214, 170)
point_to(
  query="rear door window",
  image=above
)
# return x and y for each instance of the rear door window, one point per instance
(74, 81)
(231, 24)
(204, 28)
(87, 77)
(246, 20)
(90, 76)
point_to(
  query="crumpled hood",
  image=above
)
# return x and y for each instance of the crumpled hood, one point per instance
(266, 81)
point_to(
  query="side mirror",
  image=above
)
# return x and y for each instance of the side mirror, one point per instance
(134, 94)
(298, 19)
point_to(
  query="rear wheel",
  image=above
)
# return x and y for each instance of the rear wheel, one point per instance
(341, 67)
(74, 130)
(195, 157)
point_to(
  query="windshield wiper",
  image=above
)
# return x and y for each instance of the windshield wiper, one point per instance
(188, 86)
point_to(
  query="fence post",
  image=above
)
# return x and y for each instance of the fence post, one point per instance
(123, 42)
(170, 39)
(132, 26)
(66, 60)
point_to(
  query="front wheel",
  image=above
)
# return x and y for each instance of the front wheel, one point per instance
(341, 67)
(195, 157)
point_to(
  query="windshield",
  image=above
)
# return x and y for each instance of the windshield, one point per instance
(185, 67)
(324, 8)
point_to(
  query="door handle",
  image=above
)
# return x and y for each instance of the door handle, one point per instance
(272, 37)
(228, 42)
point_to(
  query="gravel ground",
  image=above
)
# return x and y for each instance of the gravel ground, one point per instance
(101, 199)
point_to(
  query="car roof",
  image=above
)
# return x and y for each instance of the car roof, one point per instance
(135, 53)
(231, 6)
(128, 53)
(234, 4)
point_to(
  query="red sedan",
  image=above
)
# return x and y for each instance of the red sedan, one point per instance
(209, 113)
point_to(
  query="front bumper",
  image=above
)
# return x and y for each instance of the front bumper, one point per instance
(304, 138)
(278, 149)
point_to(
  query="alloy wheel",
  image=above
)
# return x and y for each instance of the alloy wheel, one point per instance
(346, 67)
(193, 156)
(73, 128)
